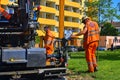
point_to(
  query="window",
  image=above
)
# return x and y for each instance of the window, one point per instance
(50, 4)
(49, 16)
(76, 0)
(80, 11)
(11, 0)
(37, 2)
(67, 8)
(42, 15)
(76, 10)
(56, 29)
(68, 19)
(75, 20)
(57, 18)
(53, 28)
(80, 2)
(11, 10)
(76, 30)
(57, 7)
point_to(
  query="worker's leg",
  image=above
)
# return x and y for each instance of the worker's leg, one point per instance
(49, 49)
(95, 45)
(89, 51)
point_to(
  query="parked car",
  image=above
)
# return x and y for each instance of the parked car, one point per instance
(115, 47)
(81, 48)
(101, 49)
(72, 48)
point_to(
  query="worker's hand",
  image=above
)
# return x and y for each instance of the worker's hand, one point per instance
(73, 36)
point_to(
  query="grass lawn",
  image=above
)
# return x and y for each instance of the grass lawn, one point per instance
(108, 64)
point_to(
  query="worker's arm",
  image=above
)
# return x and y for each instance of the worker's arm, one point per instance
(50, 34)
(80, 33)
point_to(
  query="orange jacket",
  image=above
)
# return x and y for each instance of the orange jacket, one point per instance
(49, 40)
(5, 13)
(92, 33)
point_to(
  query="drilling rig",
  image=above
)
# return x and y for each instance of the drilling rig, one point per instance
(18, 55)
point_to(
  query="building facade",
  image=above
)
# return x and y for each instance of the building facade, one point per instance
(73, 12)
(108, 41)
(117, 26)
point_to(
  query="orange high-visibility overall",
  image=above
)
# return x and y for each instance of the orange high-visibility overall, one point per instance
(91, 38)
(5, 13)
(49, 40)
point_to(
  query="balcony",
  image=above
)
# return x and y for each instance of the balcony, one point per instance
(4, 2)
(47, 21)
(42, 33)
(57, 2)
(51, 0)
(48, 9)
(71, 24)
(68, 3)
(72, 4)
(72, 14)
(56, 34)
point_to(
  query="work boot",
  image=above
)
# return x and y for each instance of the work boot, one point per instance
(89, 71)
(95, 69)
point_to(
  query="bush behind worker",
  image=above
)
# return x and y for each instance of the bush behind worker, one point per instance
(48, 41)
(91, 39)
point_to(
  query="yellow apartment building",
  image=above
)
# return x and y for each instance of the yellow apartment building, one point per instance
(73, 12)
(49, 15)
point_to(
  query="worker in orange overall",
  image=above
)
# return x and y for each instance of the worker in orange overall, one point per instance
(48, 41)
(91, 38)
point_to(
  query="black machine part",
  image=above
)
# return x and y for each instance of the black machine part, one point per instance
(36, 57)
(32, 57)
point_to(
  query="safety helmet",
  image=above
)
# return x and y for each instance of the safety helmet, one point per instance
(84, 18)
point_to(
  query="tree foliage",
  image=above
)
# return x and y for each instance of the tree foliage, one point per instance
(109, 30)
(107, 11)
(101, 10)
(92, 10)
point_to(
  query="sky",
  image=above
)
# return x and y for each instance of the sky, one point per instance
(115, 5)
(115, 2)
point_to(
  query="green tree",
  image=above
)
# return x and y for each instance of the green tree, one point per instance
(118, 7)
(101, 10)
(92, 10)
(107, 11)
(109, 30)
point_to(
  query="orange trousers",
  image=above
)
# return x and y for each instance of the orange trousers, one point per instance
(49, 49)
(90, 50)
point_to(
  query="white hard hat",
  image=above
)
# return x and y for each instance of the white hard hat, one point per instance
(84, 18)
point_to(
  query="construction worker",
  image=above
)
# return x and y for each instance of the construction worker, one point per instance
(48, 41)
(91, 38)
(5, 13)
